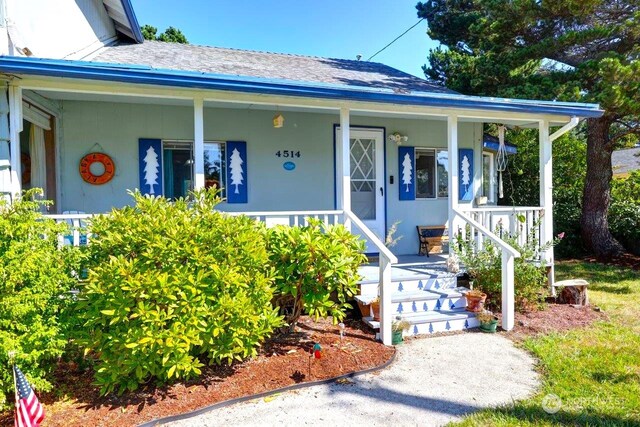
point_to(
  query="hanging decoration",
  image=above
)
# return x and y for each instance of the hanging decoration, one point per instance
(278, 121)
(107, 164)
(501, 159)
(150, 166)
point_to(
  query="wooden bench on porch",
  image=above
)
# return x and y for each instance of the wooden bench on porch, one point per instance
(431, 238)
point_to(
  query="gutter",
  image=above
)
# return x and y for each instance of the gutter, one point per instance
(564, 129)
(197, 80)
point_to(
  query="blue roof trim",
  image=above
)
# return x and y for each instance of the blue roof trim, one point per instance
(133, 21)
(196, 80)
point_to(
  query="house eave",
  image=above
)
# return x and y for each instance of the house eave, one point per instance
(126, 73)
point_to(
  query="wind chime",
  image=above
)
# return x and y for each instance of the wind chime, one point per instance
(501, 159)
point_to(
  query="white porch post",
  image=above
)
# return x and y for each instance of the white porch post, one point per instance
(15, 127)
(344, 165)
(546, 194)
(198, 143)
(508, 298)
(385, 301)
(452, 148)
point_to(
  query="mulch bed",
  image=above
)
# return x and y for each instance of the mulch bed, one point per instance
(283, 360)
(626, 260)
(554, 318)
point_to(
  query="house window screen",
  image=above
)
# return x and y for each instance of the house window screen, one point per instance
(214, 165)
(432, 173)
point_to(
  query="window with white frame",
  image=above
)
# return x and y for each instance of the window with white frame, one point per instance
(432, 173)
(488, 177)
(178, 167)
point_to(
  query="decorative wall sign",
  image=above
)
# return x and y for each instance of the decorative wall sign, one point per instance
(465, 174)
(289, 166)
(236, 158)
(406, 168)
(149, 166)
(107, 164)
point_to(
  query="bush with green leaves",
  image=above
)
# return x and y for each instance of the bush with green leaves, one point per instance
(316, 269)
(624, 212)
(173, 284)
(34, 280)
(485, 267)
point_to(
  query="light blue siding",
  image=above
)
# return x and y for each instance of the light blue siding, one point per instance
(116, 128)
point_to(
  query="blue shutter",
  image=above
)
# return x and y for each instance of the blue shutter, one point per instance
(236, 182)
(407, 173)
(465, 174)
(150, 166)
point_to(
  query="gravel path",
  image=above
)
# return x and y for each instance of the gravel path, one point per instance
(433, 381)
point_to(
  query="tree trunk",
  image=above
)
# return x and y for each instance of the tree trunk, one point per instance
(597, 191)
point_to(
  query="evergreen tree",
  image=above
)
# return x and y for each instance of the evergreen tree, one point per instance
(565, 50)
(170, 35)
(235, 166)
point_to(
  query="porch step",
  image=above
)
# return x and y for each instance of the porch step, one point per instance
(421, 301)
(434, 322)
(437, 281)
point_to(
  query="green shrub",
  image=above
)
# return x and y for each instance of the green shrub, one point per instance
(34, 279)
(624, 212)
(316, 268)
(171, 283)
(485, 268)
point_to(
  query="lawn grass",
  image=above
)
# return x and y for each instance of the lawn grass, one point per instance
(594, 371)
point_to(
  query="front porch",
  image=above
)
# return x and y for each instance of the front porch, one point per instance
(331, 160)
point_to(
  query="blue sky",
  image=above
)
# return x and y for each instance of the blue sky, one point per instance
(329, 28)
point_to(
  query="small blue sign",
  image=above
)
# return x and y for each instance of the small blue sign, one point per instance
(289, 166)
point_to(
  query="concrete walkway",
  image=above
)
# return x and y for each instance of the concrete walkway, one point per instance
(432, 382)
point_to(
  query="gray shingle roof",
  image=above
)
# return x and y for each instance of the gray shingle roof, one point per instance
(266, 65)
(625, 161)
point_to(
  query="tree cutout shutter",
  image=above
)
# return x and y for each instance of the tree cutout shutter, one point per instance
(150, 166)
(236, 158)
(407, 173)
(465, 174)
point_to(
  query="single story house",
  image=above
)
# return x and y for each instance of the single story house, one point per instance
(91, 111)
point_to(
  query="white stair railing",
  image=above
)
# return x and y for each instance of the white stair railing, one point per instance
(387, 259)
(478, 232)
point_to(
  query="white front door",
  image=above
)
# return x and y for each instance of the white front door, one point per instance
(366, 147)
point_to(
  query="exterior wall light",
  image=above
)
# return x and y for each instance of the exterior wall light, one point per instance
(398, 138)
(278, 121)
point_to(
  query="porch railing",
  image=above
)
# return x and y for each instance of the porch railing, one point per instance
(78, 237)
(294, 218)
(476, 234)
(523, 220)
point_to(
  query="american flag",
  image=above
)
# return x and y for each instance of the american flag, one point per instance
(29, 411)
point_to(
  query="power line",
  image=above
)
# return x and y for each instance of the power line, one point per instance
(396, 39)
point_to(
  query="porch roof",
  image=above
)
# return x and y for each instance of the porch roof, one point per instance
(146, 75)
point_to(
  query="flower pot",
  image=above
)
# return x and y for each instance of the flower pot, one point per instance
(375, 310)
(396, 337)
(365, 309)
(489, 327)
(475, 303)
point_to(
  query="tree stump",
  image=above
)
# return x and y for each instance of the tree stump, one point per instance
(574, 292)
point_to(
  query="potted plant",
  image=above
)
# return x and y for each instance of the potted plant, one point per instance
(398, 326)
(488, 321)
(375, 308)
(475, 300)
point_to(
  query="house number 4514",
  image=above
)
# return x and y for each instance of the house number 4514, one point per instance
(287, 153)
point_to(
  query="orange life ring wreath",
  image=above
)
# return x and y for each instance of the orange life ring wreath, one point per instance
(25, 161)
(88, 176)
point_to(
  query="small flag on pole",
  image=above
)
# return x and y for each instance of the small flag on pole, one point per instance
(29, 411)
